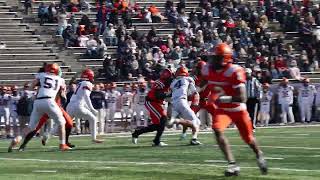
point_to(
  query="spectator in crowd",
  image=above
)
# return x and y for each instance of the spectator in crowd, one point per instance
(69, 37)
(82, 39)
(42, 13)
(294, 70)
(92, 46)
(109, 69)
(62, 22)
(2, 45)
(52, 12)
(101, 48)
(27, 5)
(109, 36)
(101, 17)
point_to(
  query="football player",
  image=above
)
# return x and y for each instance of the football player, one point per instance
(126, 105)
(112, 97)
(265, 105)
(13, 101)
(50, 83)
(227, 82)
(80, 105)
(180, 87)
(139, 100)
(154, 101)
(4, 109)
(285, 99)
(306, 96)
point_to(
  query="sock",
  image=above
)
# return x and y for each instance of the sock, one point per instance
(143, 130)
(63, 141)
(194, 136)
(28, 138)
(68, 131)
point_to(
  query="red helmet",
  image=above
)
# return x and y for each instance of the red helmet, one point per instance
(223, 49)
(166, 74)
(200, 64)
(52, 68)
(87, 74)
(182, 71)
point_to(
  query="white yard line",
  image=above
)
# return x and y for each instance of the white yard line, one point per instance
(44, 171)
(156, 163)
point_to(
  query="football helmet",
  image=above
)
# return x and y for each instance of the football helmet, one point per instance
(220, 56)
(182, 71)
(52, 68)
(87, 74)
(166, 74)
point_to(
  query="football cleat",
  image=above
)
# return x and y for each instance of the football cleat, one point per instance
(64, 147)
(195, 142)
(160, 144)
(44, 140)
(97, 141)
(14, 143)
(71, 145)
(134, 138)
(262, 164)
(232, 170)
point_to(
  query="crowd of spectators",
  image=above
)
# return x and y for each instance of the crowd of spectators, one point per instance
(250, 29)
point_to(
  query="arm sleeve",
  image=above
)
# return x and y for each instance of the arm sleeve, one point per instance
(238, 78)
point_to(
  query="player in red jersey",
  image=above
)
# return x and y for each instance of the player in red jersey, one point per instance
(226, 82)
(154, 101)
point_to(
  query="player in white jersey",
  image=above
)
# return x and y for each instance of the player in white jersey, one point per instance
(112, 97)
(139, 100)
(265, 105)
(306, 95)
(182, 88)
(285, 99)
(80, 105)
(13, 101)
(4, 109)
(126, 105)
(50, 83)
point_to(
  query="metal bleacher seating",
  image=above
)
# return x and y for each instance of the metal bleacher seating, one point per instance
(22, 51)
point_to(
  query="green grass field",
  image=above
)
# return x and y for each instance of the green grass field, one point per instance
(293, 153)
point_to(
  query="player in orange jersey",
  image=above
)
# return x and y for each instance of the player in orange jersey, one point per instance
(226, 82)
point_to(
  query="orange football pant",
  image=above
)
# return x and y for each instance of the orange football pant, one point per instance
(222, 119)
(45, 117)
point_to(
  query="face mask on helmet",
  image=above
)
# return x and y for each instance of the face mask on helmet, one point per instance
(216, 61)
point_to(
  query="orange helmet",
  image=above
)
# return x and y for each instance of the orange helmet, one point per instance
(52, 68)
(224, 50)
(87, 74)
(166, 74)
(182, 71)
